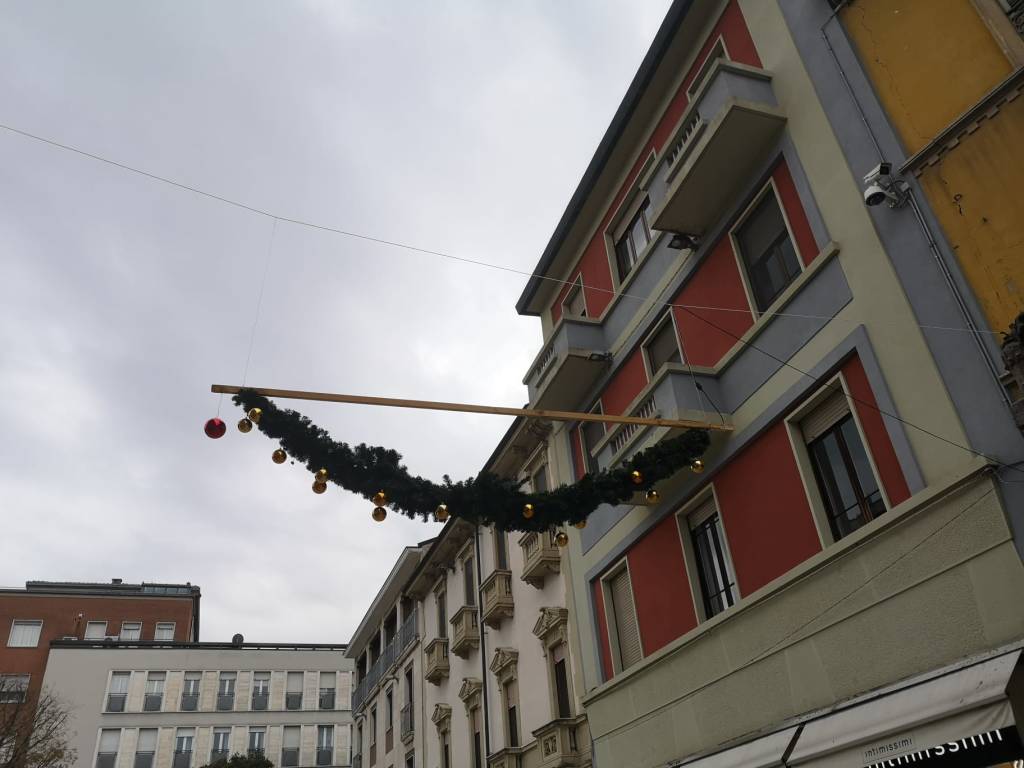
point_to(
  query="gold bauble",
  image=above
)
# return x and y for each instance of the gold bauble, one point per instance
(653, 497)
(528, 511)
(636, 477)
(319, 486)
(441, 513)
(562, 539)
(321, 475)
(379, 513)
(380, 499)
(697, 466)
(244, 425)
(581, 524)
(279, 456)
(254, 415)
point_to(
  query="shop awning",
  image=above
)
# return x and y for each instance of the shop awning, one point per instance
(969, 709)
(764, 752)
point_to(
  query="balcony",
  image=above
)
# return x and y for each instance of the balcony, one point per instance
(290, 757)
(115, 702)
(564, 742)
(497, 598)
(568, 366)
(408, 724)
(727, 132)
(465, 631)
(293, 700)
(540, 558)
(152, 702)
(325, 755)
(326, 700)
(436, 652)
(393, 651)
(189, 702)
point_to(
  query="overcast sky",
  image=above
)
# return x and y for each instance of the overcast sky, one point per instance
(456, 126)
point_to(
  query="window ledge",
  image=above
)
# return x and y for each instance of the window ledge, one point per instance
(917, 503)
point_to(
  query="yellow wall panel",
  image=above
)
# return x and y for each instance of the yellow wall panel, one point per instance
(976, 191)
(929, 60)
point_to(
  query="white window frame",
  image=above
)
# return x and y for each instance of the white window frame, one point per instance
(121, 636)
(164, 625)
(577, 287)
(706, 65)
(101, 635)
(598, 407)
(623, 215)
(609, 614)
(667, 317)
(17, 687)
(769, 188)
(686, 520)
(38, 623)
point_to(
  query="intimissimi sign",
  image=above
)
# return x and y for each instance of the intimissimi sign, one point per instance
(977, 751)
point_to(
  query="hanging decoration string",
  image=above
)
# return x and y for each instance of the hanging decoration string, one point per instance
(377, 474)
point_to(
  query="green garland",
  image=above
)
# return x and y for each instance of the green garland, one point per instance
(486, 499)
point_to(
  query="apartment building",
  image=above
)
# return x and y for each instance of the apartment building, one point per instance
(45, 611)
(156, 704)
(841, 582)
(463, 659)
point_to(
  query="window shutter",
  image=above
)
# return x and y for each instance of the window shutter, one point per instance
(291, 737)
(109, 739)
(702, 512)
(625, 619)
(147, 740)
(831, 410)
(294, 684)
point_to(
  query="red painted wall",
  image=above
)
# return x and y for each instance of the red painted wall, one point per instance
(879, 444)
(602, 630)
(764, 510)
(661, 587)
(795, 213)
(594, 264)
(629, 379)
(716, 284)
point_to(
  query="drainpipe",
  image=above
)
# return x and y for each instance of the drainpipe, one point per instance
(925, 228)
(483, 645)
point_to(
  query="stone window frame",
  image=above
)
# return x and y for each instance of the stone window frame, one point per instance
(551, 630)
(505, 668)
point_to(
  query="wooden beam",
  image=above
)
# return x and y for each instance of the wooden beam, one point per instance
(291, 394)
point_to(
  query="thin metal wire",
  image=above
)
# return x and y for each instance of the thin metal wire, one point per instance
(259, 300)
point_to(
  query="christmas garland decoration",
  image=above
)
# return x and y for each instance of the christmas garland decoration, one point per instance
(377, 474)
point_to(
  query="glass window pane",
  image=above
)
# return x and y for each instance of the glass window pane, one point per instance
(663, 347)
(766, 250)
(95, 630)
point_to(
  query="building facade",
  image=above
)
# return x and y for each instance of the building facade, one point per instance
(858, 529)
(46, 611)
(185, 705)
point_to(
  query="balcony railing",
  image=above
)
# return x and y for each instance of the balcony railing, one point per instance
(219, 754)
(225, 702)
(497, 598)
(571, 360)
(182, 759)
(407, 634)
(152, 702)
(465, 631)
(255, 751)
(260, 699)
(106, 759)
(540, 557)
(408, 725)
(143, 760)
(189, 702)
(324, 755)
(293, 701)
(437, 666)
(290, 757)
(326, 700)
(648, 409)
(115, 702)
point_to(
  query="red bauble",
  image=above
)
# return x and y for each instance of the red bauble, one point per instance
(215, 428)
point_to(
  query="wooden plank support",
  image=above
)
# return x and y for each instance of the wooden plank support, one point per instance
(432, 405)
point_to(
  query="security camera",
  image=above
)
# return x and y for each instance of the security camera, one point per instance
(880, 186)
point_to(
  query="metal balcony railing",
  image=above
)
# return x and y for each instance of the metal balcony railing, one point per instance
(255, 751)
(290, 757)
(182, 759)
(325, 755)
(152, 702)
(218, 754)
(326, 698)
(293, 701)
(407, 635)
(260, 700)
(115, 702)
(143, 760)
(189, 702)
(225, 702)
(106, 759)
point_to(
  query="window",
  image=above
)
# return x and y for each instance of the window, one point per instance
(324, 744)
(539, 479)
(145, 748)
(164, 630)
(13, 688)
(190, 691)
(767, 251)
(442, 614)
(591, 433)
(510, 694)
(714, 567)
(662, 346)
(118, 691)
(446, 750)
(622, 622)
(226, 691)
(25, 634)
(327, 686)
(95, 630)
(469, 581)
(500, 550)
(257, 741)
(560, 671)
(221, 743)
(476, 746)
(373, 725)
(575, 303)
(632, 242)
(293, 691)
(183, 739)
(154, 691)
(260, 690)
(410, 760)
(717, 52)
(131, 631)
(841, 467)
(110, 740)
(290, 746)
(389, 710)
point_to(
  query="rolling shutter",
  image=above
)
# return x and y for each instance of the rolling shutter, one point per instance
(625, 619)
(831, 410)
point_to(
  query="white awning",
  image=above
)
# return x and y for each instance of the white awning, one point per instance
(764, 752)
(911, 717)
